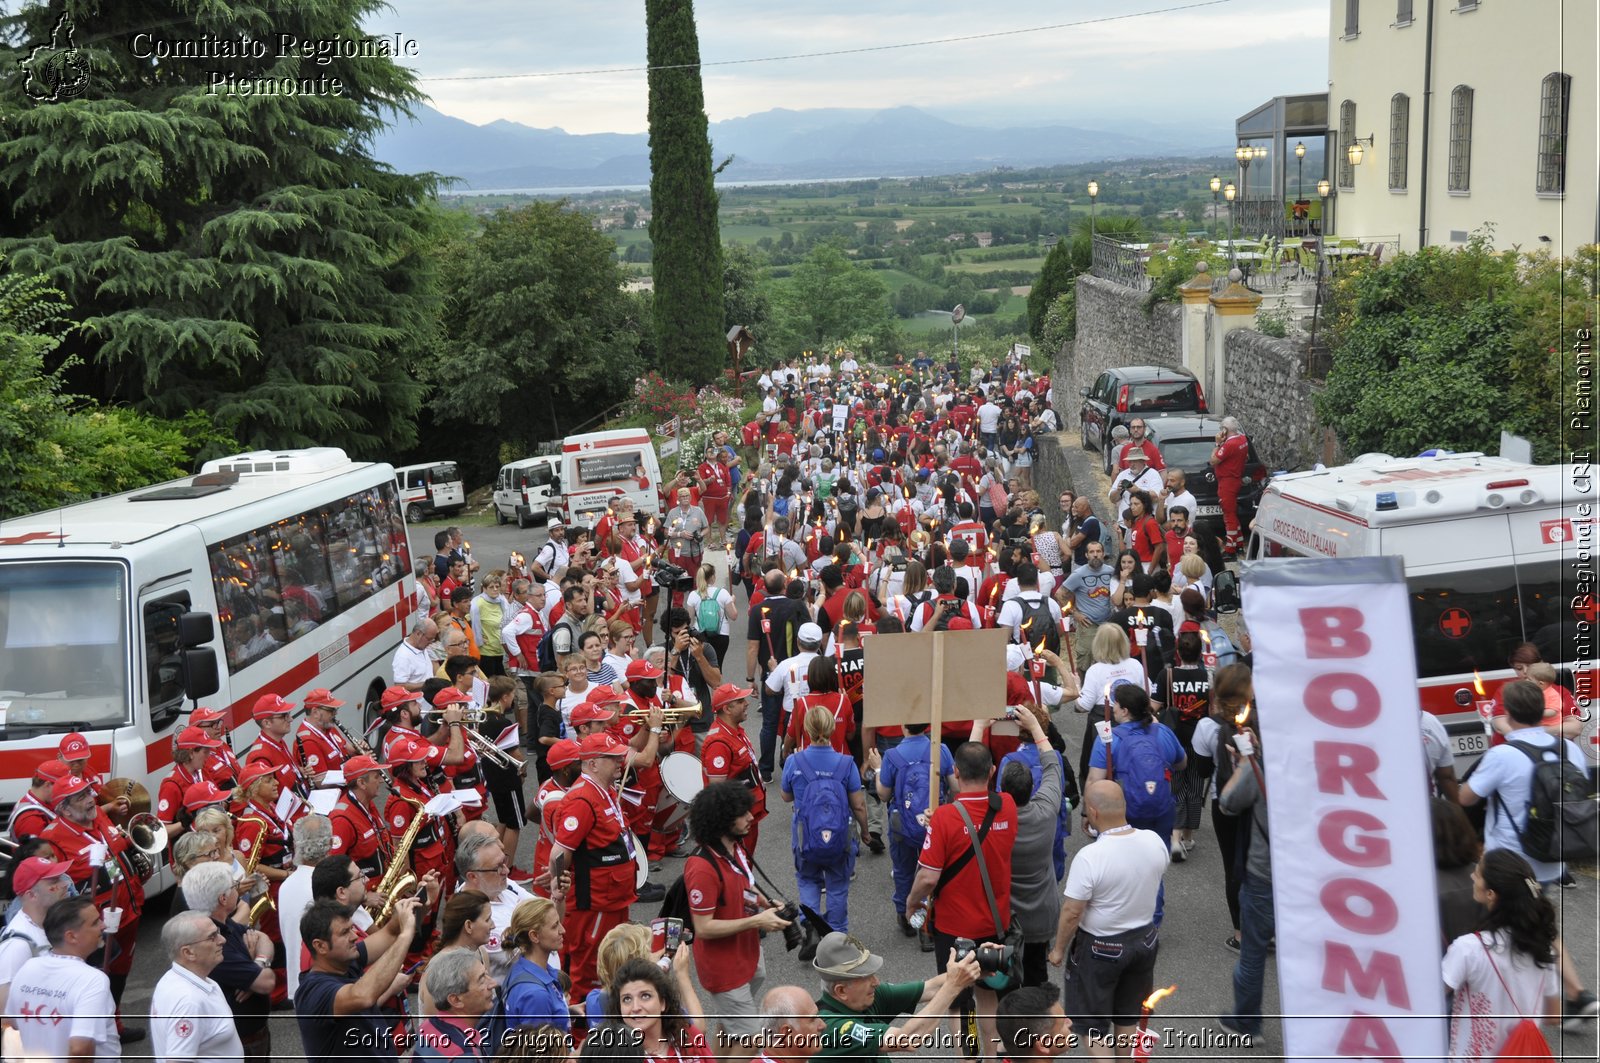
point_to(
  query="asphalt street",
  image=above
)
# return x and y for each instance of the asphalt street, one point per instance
(1194, 956)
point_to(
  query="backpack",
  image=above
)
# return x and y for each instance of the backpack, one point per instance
(1525, 1041)
(1038, 619)
(1143, 773)
(822, 821)
(1563, 809)
(708, 615)
(1108, 538)
(943, 623)
(494, 1025)
(911, 795)
(547, 651)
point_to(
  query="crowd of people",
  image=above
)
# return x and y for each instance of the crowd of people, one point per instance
(587, 694)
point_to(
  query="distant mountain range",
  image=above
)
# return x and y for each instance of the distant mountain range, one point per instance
(771, 146)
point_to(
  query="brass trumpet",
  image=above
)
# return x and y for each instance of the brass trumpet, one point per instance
(670, 716)
(488, 751)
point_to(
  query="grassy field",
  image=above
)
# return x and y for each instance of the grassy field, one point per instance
(1033, 263)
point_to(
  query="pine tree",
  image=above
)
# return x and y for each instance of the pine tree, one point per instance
(238, 254)
(1057, 275)
(687, 258)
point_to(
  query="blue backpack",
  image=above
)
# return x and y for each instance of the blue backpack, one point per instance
(911, 795)
(1141, 769)
(822, 817)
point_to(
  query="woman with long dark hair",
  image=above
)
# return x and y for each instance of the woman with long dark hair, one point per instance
(1231, 694)
(658, 1009)
(1505, 971)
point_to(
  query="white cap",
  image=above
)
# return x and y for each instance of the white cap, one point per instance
(811, 634)
(1016, 658)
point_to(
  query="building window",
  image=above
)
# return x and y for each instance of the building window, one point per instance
(1399, 140)
(1347, 135)
(1460, 139)
(1352, 17)
(1554, 93)
(1402, 13)
(1466, 5)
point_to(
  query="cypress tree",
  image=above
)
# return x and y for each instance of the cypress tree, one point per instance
(687, 256)
(238, 254)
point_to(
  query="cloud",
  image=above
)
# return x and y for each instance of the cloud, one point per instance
(1205, 64)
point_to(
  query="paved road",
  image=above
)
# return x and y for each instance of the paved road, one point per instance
(1194, 956)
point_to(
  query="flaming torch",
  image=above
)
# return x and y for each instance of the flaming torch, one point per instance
(1145, 1041)
(1484, 704)
(1247, 748)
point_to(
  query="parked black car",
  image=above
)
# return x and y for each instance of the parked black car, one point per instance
(1119, 395)
(1186, 443)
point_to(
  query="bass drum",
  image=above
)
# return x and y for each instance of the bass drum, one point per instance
(682, 777)
(641, 861)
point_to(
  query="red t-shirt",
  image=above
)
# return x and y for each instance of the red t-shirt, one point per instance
(844, 719)
(714, 475)
(591, 818)
(723, 889)
(1151, 451)
(1231, 457)
(784, 441)
(961, 909)
(1556, 709)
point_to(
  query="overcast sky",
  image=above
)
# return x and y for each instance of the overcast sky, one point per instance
(1201, 67)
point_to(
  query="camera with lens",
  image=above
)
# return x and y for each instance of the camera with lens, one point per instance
(799, 934)
(991, 958)
(672, 577)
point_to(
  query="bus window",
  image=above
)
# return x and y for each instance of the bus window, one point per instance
(607, 468)
(162, 665)
(1464, 620)
(1547, 616)
(63, 646)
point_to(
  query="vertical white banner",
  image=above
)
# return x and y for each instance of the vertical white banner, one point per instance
(1347, 804)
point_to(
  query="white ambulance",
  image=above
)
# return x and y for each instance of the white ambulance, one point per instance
(431, 489)
(599, 466)
(1496, 553)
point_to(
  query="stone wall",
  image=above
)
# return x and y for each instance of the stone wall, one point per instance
(1276, 405)
(1114, 330)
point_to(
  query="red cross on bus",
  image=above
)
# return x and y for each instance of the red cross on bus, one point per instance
(1455, 623)
(31, 537)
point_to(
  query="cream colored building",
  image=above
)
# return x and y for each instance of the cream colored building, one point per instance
(1498, 126)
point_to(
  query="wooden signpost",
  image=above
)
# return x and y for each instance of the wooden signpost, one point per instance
(927, 676)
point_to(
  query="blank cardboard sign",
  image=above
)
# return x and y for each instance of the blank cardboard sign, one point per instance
(900, 681)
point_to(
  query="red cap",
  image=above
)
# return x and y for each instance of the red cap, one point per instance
(450, 696)
(203, 715)
(1017, 690)
(31, 871)
(601, 745)
(73, 747)
(324, 698)
(590, 712)
(358, 766)
(271, 705)
(643, 669)
(959, 623)
(51, 769)
(728, 692)
(604, 696)
(394, 697)
(203, 793)
(406, 750)
(67, 786)
(194, 738)
(563, 753)
(254, 772)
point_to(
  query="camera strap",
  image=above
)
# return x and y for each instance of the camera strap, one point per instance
(772, 887)
(983, 868)
(955, 867)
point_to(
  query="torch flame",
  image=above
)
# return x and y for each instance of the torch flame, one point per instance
(1205, 637)
(1040, 648)
(1140, 618)
(1243, 715)
(1158, 996)
(1477, 683)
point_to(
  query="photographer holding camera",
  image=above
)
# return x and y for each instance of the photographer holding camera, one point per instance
(729, 912)
(857, 1008)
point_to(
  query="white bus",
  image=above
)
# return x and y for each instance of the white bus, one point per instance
(298, 556)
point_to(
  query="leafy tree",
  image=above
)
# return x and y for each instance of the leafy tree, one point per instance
(828, 298)
(240, 255)
(1061, 323)
(56, 448)
(1056, 276)
(1443, 348)
(538, 334)
(745, 299)
(683, 226)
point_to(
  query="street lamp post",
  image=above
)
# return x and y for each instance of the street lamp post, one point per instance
(1299, 169)
(1323, 188)
(1216, 190)
(1228, 194)
(1094, 190)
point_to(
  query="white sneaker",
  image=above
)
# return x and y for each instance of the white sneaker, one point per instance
(1179, 853)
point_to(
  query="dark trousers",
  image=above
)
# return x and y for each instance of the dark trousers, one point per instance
(1230, 837)
(771, 718)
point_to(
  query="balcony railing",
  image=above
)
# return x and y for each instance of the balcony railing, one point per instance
(1109, 260)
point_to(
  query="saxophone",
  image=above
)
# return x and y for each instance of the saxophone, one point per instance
(399, 881)
(259, 906)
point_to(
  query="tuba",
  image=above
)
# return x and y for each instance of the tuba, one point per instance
(399, 881)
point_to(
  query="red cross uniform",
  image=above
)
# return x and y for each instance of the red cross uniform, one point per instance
(320, 750)
(549, 800)
(728, 755)
(113, 884)
(359, 833)
(279, 757)
(169, 797)
(222, 767)
(29, 818)
(592, 828)
(258, 821)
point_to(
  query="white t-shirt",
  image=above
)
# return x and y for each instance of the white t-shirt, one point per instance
(988, 418)
(1098, 679)
(1436, 750)
(1047, 586)
(691, 605)
(1118, 875)
(190, 1021)
(625, 576)
(294, 897)
(496, 958)
(1483, 1015)
(1184, 498)
(1204, 744)
(55, 998)
(619, 664)
(411, 665)
(26, 942)
(1509, 773)
(1011, 613)
(790, 678)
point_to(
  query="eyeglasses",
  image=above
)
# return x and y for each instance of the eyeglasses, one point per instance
(499, 869)
(215, 935)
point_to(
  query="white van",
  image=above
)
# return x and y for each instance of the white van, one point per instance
(1491, 550)
(523, 490)
(430, 489)
(598, 466)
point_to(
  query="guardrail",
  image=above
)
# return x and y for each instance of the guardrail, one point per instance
(1109, 260)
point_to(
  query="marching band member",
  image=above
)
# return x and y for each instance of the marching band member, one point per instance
(33, 813)
(359, 831)
(564, 767)
(468, 775)
(272, 745)
(647, 737)
(404, 709)
(433, 849)
(258, 828)
(728, 754)
(74, 753)
(222, 766)
(319, 746)
(103, 869)
(189, 753)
